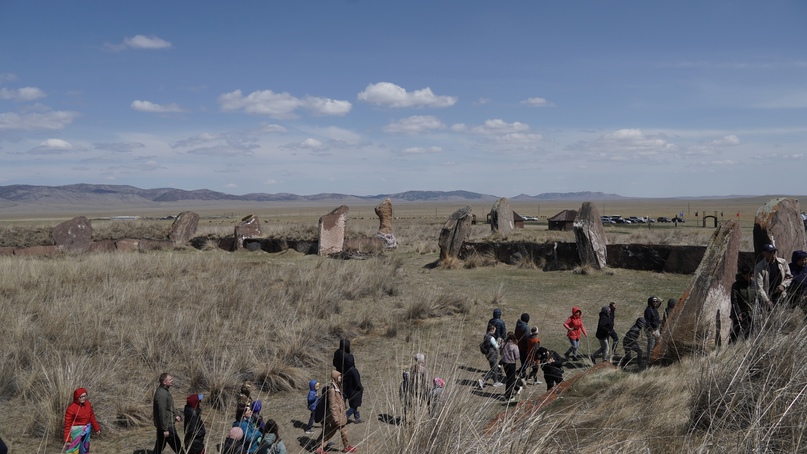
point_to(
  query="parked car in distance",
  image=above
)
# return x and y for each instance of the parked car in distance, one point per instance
(530, 218)
(663, 219)
(677, 219)
(636, 220)
(607, 220)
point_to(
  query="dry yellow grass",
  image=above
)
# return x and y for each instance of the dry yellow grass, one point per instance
(112, 323)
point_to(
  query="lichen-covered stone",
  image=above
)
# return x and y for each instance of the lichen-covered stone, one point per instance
(590, 237)
(456, 230)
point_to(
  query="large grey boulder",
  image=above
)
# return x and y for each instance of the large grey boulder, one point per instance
(590, 237)
(249, 227)
(779, 222)
(501, 217)
(73, 236)
(184, 227)
(332, 231)
(455, 231)
(700, 321)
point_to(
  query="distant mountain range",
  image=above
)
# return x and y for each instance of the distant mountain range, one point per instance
(103, 193)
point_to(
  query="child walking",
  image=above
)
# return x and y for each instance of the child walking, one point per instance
(574, 326)
(313, 398)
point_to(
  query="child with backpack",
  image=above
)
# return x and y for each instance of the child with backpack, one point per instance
(490, 348)
(313, 398)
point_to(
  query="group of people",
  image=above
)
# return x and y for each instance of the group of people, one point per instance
(504, 350)
(771, 282)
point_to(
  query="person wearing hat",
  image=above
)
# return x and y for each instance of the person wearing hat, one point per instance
(194, 426)
(771, 277)
(630, 342)
(743, 296)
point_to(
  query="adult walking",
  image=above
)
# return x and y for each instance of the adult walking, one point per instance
(743, 296)
(509, 357)
(522, 331)
(574, 327)
(498, 323)
(771, 277)
(353, 390)
(335, 416)
(194, 426)
(165, 415)
(79, 418)
(342, 355)
(604, 327)
(652, 324)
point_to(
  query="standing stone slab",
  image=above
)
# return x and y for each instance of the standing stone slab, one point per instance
(455, 231)
(501, 217)
(384, 213)
(73, 236)
(700, 320)
(249, 227)
(779, 222)
(184, 227)
(332, 231)
(590, 237)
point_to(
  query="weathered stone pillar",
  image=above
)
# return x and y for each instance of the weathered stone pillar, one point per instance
(590, 237)
(332, 231)
(249, 227)
(455, 231)
(700, 321)
(779, 222)
(184, 227)
(384, 213)
(501, 217)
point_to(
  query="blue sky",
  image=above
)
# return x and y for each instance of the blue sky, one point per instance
(637, 98)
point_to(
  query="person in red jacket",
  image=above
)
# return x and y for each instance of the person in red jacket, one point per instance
(77, 421)
(574, 326)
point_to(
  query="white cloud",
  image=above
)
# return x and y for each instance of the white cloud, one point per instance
(270, 181)
(273, 128)
(421, 150)
(518, 138)
(280, 105)
(7, 77)
(119, 147)
(415, 125)
(54, 146)
(537, 102)
(482, 101)
(497, 126)
(307, 144)
(627, 145)
(726, 141)
(230, 185)
(22, 94)
(391, 95)
(148, 106)
(140, 42)
(36, 120)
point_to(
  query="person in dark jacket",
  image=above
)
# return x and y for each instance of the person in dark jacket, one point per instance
(501, 330)
(743, 296)
(604, 327)
(521, 332)
(614, 335)
(352, 389)
(630, 342)
(194, 426)
(652, 323)
(341, 354)
(234, 443)
(165, 415)
(551, 365)
(668, 310)
(798, 261)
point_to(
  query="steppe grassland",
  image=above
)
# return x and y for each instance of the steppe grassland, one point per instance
(113, 322)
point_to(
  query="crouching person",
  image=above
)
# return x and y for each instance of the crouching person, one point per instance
(551, 365)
